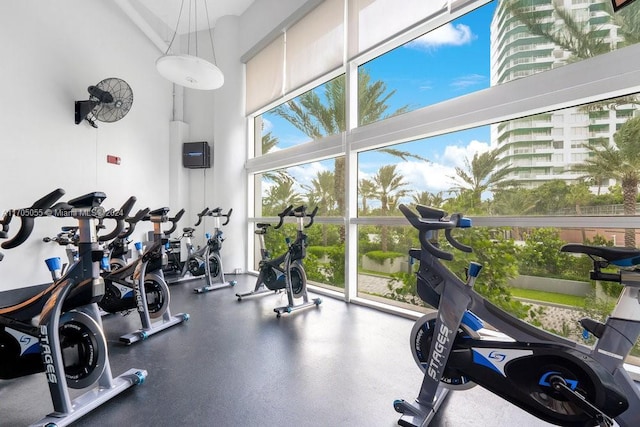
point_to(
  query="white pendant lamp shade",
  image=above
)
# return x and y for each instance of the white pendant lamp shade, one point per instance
(190, 71)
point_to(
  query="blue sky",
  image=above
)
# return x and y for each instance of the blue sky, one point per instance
(451, 61)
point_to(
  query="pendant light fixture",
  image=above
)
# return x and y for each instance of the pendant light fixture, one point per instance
(190, 70)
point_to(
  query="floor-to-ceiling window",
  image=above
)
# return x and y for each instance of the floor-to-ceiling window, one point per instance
(478, 107)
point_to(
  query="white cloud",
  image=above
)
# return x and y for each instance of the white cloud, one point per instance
(455, 155)
(422, 176)
(304, 174)
(436, 176)
(267, 125)
(447, 35)
(468, 80)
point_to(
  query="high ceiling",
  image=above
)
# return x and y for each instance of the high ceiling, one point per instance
(169, 10)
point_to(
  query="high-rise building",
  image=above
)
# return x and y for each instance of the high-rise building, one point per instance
(544, 147)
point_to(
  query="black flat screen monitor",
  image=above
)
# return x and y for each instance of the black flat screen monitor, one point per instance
(196, 155)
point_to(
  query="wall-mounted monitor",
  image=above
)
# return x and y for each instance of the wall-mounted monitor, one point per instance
(196, 155)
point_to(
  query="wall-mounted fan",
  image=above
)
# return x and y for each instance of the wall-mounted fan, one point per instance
(110, 101)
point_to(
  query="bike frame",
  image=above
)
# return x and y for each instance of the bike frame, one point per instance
(76, 292)
(439, 287)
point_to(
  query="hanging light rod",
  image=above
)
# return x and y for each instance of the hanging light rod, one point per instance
(190, 70)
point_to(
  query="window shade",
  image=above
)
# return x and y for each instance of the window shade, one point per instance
(315, 44)
(373, 21)
(264, 75)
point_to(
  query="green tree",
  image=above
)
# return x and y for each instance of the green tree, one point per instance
(481, 174)
(551, 197)
(321, 193)
(389, 188)
(279, 196)
(620, 162)
(366, 190)
(319, 116)
(513, 201)
(428, 199)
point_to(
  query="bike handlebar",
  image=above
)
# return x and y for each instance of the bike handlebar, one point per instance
(174, 222)
(217, 212)
(311, 215)
(27, 215)
(132, 222)
(204, 212)
(120, 216)
(228, 216)
(433, 221)
(282, 215)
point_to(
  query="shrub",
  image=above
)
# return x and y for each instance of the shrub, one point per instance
(380, 256)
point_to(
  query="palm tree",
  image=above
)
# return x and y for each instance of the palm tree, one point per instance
(280, 195)
(321, 194)
(480, 174)
(318, 117)
(620, 162)
(367, 190)
(389, 189)
(268, 142)
(428, 199)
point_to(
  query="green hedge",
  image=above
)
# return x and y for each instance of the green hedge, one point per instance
(380, 256)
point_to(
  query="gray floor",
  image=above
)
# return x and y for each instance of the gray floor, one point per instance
(236, 364)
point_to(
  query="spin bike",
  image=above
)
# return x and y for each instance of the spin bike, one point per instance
(553, 378)
(176, 270)
(140, 286)
(117, 251)
(67, 342)
(212, 269)
(286, 271)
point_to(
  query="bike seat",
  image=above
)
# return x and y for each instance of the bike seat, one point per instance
(69, 228)
(188, 230)
(263, 225)
(159, 212)
(623, 257)
(89, 200)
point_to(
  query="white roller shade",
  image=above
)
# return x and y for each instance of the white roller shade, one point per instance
(264, 75)
(373, 21)
(315, 44)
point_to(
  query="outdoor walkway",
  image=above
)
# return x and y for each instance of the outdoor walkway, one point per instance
(376, 285)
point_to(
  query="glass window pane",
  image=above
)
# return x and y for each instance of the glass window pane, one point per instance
(496, 43)
(567, 162)
(313, 184)
(315, 114)
(530, 36)
(448, 62)
(530, 276)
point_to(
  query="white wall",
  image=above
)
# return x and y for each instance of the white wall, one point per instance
(52, 51)
(218, 117)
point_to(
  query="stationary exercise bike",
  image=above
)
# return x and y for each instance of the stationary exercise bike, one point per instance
(207, 261)
(115, 246)
(117, 251)
(140, 286)
(176, 270)
(58, 330)
(551, 377)
(285, 272)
